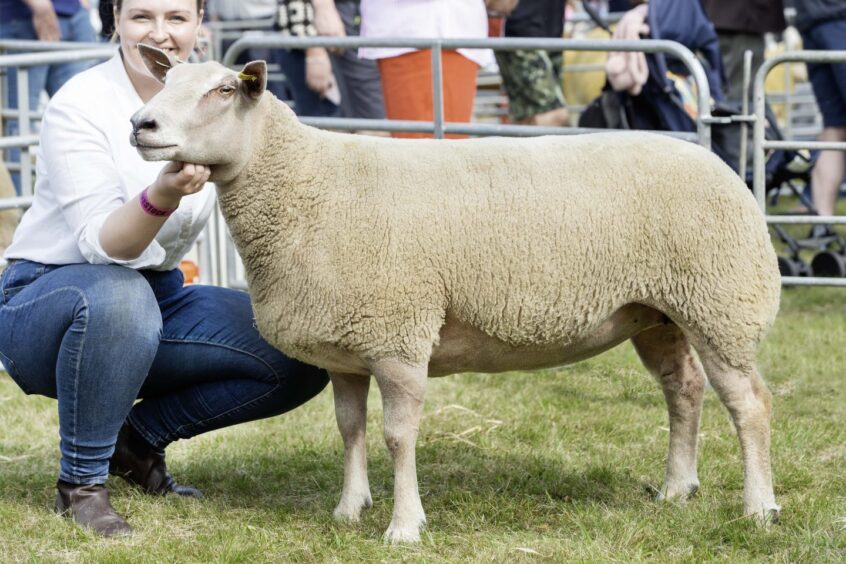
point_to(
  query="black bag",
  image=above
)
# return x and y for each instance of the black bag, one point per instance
(609, 110)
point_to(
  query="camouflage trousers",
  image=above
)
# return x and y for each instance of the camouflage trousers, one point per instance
(532, 81)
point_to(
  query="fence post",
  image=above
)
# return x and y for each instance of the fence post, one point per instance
(438, 89)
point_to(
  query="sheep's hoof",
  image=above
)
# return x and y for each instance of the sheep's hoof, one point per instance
(404, 533)
(679, 492)
(767, 515)
(350, 511)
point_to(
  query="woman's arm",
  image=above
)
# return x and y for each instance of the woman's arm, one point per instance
(86, 177)
(130, 229)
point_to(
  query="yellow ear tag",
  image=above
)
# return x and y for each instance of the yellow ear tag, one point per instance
(245, 76)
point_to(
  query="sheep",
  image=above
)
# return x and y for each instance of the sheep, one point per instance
(412, 258)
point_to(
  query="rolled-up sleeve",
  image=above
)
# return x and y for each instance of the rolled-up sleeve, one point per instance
(85, 181)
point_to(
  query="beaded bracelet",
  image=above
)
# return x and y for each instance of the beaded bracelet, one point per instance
(148, 207)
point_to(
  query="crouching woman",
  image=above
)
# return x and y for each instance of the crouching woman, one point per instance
(93, 309)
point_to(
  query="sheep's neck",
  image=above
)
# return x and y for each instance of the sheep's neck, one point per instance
(272, 199)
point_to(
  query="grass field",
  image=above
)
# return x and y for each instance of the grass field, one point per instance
(555, 465)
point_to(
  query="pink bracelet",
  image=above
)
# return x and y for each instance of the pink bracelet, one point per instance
(148, 207)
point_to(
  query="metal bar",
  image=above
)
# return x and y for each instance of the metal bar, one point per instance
(22, 202)
(33, 45)
(811, 281)
(24, 130)
(438, 90)
(507, 130)
(807, 219)
(744, 109)
(13, 114)
(18, 141)
(825, 145)
(275, 40)
(55, 57)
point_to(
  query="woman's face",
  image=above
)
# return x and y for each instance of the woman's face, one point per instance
(170, 25)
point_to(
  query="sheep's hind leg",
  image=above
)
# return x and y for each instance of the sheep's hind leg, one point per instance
(351, 414)
(403, 388)
(667, 354)
(743, 392)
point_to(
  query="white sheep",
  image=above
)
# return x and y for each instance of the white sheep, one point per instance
(408, 258)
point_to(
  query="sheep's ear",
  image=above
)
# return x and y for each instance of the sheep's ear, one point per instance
(254, 79)
(158, 62)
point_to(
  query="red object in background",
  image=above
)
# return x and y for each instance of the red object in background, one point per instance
(190, 271)
(407, 88)
(496, 27)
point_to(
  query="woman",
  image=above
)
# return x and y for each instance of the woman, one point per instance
(93, 310)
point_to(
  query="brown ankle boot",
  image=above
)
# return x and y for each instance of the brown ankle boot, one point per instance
(89, 506)
(137, 462)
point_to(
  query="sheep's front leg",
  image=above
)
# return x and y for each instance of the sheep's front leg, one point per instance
(403, 388)
(351, 414)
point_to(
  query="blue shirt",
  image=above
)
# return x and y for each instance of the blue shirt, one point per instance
(17, 10)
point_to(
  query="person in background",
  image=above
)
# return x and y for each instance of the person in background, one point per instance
(42, 20)
(308, 72)
(358, 79)
(532, 78)
(822, 24)
(407, 73)
(741, 26)
(93, 310)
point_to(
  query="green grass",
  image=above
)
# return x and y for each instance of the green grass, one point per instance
(555, 465)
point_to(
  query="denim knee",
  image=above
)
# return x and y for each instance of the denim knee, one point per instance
(123, 303)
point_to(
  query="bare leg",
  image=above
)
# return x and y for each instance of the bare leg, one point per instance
(403, 388)
(351, 413)
(828, 172)
(745, 395)
(667, 355)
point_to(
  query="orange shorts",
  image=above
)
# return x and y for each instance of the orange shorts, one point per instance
(407, 88)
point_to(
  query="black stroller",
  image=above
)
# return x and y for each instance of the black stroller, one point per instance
(664, 104)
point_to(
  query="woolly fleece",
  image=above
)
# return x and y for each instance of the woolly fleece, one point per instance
(368, 245)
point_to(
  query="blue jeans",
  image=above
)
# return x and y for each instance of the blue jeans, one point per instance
(44, 77)
(97, 337)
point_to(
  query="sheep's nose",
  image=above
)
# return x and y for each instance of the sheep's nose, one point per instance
(140, 122)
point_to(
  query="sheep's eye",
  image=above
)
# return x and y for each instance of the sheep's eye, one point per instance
(226, 89)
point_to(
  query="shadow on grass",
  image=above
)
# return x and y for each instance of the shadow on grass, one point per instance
(311, 478)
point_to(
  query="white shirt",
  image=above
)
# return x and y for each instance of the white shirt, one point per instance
(86, 169)
(454, 19)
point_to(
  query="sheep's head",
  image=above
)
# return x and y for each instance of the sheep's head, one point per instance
(203, 115)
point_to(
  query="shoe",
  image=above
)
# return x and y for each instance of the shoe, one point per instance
(140, 464)
(88, 505)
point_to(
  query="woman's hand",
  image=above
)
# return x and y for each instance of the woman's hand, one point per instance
(130, 229)
(177, 179)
